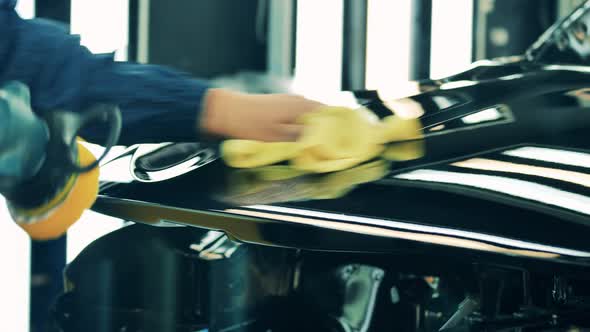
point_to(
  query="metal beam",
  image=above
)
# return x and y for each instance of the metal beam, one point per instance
(280, 36)
(421, 26)
(354, 48)
(56, 10)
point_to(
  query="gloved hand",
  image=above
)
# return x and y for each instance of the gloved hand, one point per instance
(47, 177)
(23, 137)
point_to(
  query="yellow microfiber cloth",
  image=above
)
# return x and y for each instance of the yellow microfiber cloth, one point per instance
(333, 139)
(280, 184)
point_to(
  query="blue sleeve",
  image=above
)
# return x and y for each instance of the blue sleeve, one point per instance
(157, 103)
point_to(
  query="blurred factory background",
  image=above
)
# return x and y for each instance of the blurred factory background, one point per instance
(315, 48)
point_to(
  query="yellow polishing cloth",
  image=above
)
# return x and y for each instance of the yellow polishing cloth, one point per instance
(395, 129)
(249, 154)
(333, 139)
(275, 184)
(338, 184)
(80, 197)
(403, 151)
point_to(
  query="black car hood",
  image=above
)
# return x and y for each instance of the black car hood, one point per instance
(506, 171)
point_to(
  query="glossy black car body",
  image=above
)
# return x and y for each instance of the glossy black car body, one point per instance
(489, 229)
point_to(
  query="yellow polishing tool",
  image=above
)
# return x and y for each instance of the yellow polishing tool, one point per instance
(47, 177)
(333, 139)
(64, 210)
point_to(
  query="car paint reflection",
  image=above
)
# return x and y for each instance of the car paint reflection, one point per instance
(582, 179)
(281, 212)
(500, 184)
(553, 155)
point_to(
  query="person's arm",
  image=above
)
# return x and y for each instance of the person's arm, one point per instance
(61, 74)
(158, 104)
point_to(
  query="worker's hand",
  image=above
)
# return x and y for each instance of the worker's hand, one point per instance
(269, 117)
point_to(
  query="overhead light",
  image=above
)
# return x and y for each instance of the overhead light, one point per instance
(457, 84)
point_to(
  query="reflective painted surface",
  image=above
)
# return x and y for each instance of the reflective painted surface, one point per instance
(506, 170)
(486, 228)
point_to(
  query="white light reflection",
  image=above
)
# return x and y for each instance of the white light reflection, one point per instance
(443, 102)
(582, 179)
(490, 114)
(98, 150)
(117, 171)
(564, 157)
(204, 157)
(583, 69)
(437, 128)
(511, 77)
(423, 228)
(91, 226)
(456, 85)
(112, 169)
(384, 232)
(405, 108)
(173, 171)
(513, 187)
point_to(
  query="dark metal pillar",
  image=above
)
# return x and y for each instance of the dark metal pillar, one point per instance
(420, 26)
(48, 259)
(206, 38)
(354, 48)
(133, 30)
(56, 10)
